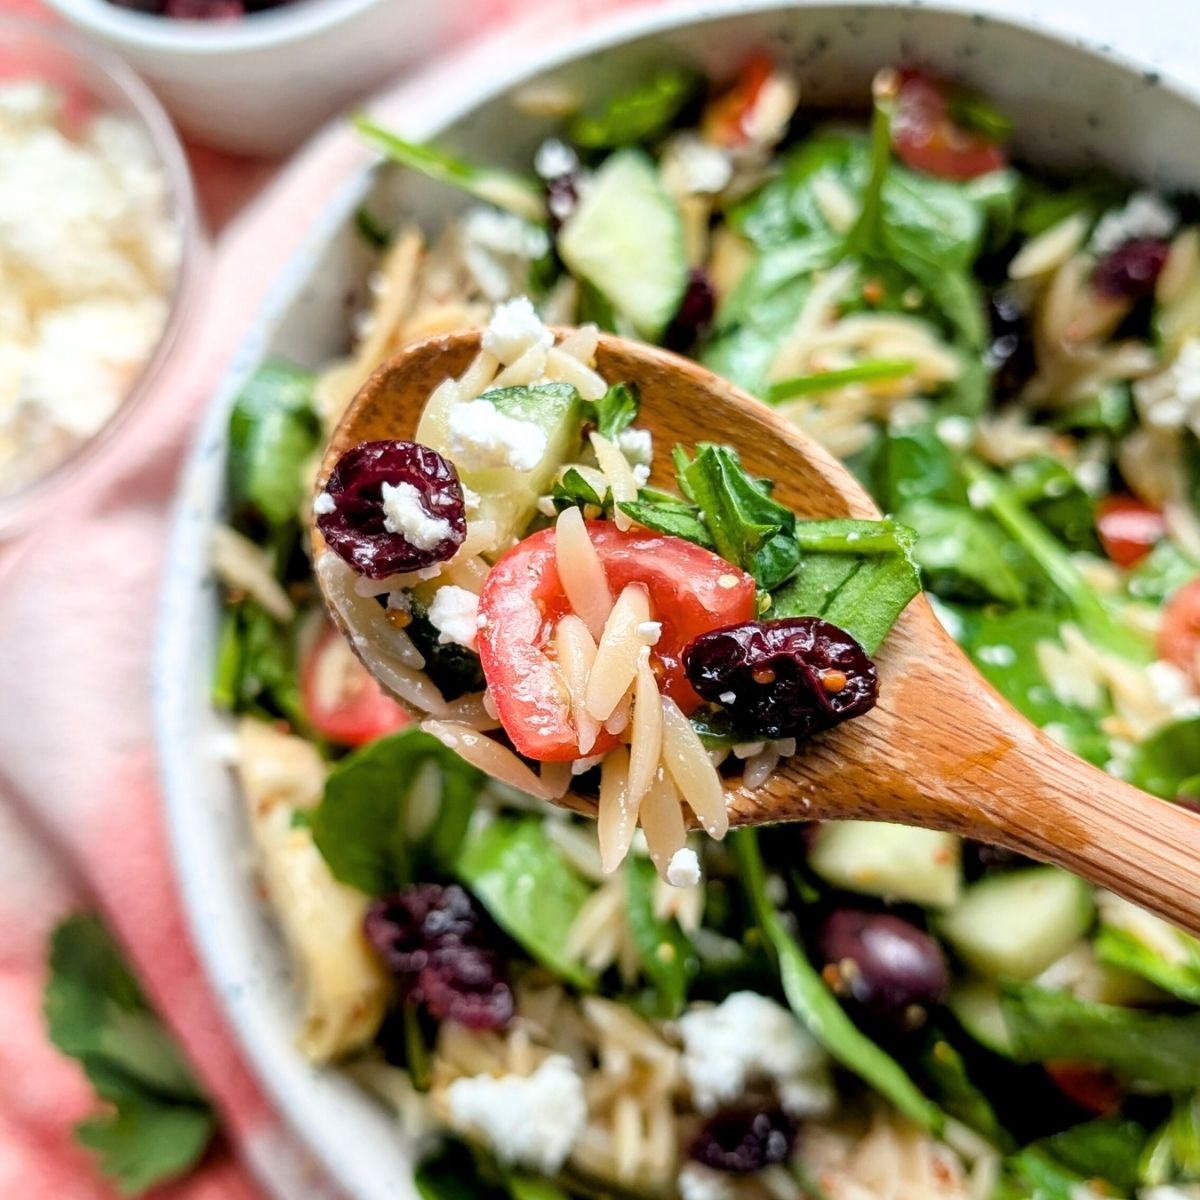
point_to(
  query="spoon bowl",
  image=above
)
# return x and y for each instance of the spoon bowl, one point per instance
(941, 749)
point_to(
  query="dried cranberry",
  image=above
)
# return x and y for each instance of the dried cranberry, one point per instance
(695, 314)
(464, 984)
(355, 529)
(404, 928)
(1009, 354)
(894, 970)
(562, 195)
(1131, 270)
(742, 1141)
(204, 10)
(784, 678)
(431, 937)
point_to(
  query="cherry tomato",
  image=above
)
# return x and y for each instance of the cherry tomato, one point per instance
(1090, 1087)
(691, 592)
(1179, 634)
(726, 120)
(1128, 529)
(341, 699)
(927, 138)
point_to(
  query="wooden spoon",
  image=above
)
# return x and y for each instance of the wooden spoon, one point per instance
(941, 749)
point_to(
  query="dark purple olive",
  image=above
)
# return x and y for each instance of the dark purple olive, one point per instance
(784, 678)
(351, 517)
(1009, 354)
(695, 315)
(894, 970)
(1132, 269)
(742, 1141)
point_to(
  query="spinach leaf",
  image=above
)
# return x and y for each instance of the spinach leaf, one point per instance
(1098, 617)
(273, 432)
(1033, 1174)
(1161, 1049)
(1109, 411)
(361, 825)
(958, 1094)
(1167, 763)
(454, 669)
(663, 948)
(1055, 497)
(1173, 1153)
(819, 1009)
(256, 668)
(535, 1187)
(747, 527)
(639, 114)
(1161, 573)
(522, 879)
(867, 371)
(573, 491)
(960, 554)
(1046, 203)
(519, 194)
(454, 1174)
(671, 517)
(858, 575)
(615, 410)
(1121, 948)
(915, 463)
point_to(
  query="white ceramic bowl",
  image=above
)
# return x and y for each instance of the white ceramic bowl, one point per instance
(1071, 104)
(261, 84)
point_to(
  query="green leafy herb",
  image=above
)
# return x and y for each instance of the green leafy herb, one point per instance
(747, 527)
(915, 463)
(573, 491)
(670, 517)
(522, 879)
(159, 1124)
(1149, 1047)
(273, 433)
(1122, 949)
(859, 575)
(665, 951)
(1167, 763)
(256, 665)
(361, 826)
(615, 410)
(1053, 494)
(957, 1093)
(1172, 1154)
(1161, 573)
(817, 1007)
(638, 115)
(869, 371)
(518, 194)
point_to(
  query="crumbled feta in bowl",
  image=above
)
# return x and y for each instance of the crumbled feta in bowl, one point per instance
(97, 241)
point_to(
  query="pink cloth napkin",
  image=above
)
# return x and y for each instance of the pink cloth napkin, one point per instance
(81, 822)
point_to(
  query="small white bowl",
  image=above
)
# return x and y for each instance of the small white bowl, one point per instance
(261, 84)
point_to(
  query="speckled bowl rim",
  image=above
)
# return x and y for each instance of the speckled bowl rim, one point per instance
(309, 1099)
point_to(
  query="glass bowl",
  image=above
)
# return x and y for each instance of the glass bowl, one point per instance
(93, 82)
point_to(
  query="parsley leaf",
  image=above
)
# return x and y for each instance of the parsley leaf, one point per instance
(615, 410)
(159, 1123)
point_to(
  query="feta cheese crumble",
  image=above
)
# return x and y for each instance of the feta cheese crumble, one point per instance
(405, 513)
(89, 253)
(497, 248)
(748, 1037)
(637, 445)
(527, 1120)
(454, 613)
(684, 868)
(554, 159)
(481, 437)
(693, 166)
(325, 504)
(1144, 215)
(1171, 399)
(513, 329)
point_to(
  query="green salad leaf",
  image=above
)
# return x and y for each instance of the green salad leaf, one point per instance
(665, 951)
(1123, 949)
(1157, 1048)
(1059, 1166)
(958, 1094)
(273, 434)
(256, 668)
(615, 410)
(362, 826)
(1172, 1153)
(157, 1124)
(522, 879)
(1167, 763)
(1161, 573)
(817, 1007)
(638, 114)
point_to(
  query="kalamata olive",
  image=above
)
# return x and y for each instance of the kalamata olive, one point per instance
(1009, 354)
(1132, 269)
(695, 315)
(894, 970)
(784, 678)
(741, 1141)
(353, 511)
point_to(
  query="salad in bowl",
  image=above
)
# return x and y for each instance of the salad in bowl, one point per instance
(842, 1010)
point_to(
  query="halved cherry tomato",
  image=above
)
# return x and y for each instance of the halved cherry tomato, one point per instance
(340, 698)
(691, 592)
(1128, 528)
(1093, 1088)
(726, 120)
(927, 138)
(1179, 633)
